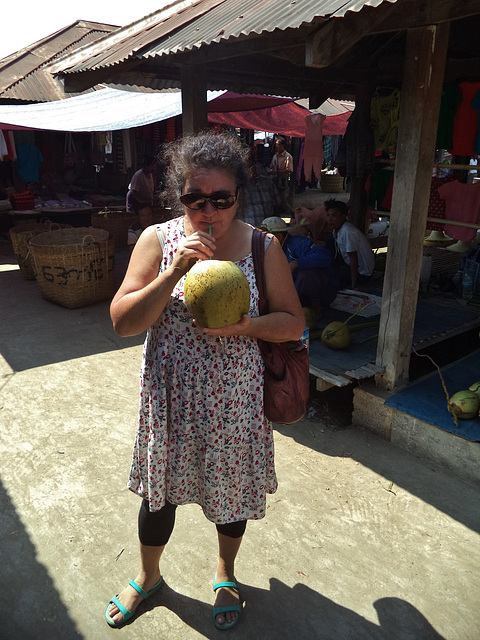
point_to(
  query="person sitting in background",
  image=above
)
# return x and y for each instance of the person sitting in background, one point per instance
(310, 265)
(353, 258)
(312, 223)
(140, 200)
(259, 196)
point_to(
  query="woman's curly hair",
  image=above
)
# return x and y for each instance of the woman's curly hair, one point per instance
(205, 150)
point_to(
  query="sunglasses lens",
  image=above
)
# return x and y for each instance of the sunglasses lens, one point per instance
(223, 201)
(219, 200)
(193, 201)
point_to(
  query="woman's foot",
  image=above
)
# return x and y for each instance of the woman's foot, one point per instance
(130, 598)
(226, 597)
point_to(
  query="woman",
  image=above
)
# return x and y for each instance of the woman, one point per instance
(202, 435)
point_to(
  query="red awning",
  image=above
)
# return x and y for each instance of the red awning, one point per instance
(273, 115)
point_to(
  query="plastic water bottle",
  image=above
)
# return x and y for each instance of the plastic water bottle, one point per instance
(467, 285)
(306, 337)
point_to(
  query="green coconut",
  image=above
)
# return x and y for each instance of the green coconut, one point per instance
(475, 387)
(336, 335)
(216, 293)
(464, 404)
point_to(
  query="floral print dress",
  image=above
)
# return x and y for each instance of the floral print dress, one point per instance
(202, 435)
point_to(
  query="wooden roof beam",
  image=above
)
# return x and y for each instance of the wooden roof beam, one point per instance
(78, 82)
(338, 36)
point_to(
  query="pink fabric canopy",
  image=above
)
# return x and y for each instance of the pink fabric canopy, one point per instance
(273, 115)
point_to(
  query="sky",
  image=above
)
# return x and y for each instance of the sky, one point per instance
(41, 19)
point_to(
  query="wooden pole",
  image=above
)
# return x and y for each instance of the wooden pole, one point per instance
(358, 196)
(194, 99)
(425, 56)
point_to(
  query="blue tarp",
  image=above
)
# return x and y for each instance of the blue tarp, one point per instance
(426, 400)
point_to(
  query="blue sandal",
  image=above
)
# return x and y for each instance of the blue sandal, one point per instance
(123, 610)
(233, 607)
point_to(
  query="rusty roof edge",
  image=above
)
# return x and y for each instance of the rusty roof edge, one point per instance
(195, 46)
(121, 34)
(71, 62)
(45, 64)
(30, 49)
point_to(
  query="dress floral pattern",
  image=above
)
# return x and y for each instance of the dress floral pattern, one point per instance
(202, 435)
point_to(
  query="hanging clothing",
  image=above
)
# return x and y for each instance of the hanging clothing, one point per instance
(356, 152)
(476, 107)
(379, 186)
(313, 149)
(10, 140)
(29, 159)
(451, 98)
(436, 204)
(127, 151)
(462, 203)
(385, 114)
(466, 121)
(300, 164)
(3, 146)
(327, 151)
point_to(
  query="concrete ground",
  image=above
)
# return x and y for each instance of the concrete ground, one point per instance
(361, 541)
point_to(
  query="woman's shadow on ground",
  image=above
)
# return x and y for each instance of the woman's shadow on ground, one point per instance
(300, 613)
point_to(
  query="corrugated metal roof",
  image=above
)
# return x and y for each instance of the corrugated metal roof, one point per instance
(23, 75)
(202, 22)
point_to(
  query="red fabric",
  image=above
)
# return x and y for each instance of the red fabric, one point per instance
(336, 125)
(465, 125)
(230, 101)
(287, 118)
(462, 203)
(436, 204)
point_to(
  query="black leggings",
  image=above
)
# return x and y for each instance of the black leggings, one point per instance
(155, 527)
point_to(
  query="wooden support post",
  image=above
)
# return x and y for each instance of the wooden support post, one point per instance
(194, 99)
(425, 56)
(358, 196)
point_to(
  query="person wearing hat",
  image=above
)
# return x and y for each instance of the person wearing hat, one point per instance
(309, 263)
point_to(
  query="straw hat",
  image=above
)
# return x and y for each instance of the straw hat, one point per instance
(437, 239)
(459, 247)
(274, 224)
(437, 236)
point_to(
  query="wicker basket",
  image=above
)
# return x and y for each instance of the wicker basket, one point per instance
(331, 182)
(20, 236)
(116, 223)
(74, 267)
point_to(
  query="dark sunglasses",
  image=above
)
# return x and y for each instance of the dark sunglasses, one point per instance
(218, 200)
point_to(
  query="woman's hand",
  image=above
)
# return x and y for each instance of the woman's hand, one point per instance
(237, 329)
(197, 246)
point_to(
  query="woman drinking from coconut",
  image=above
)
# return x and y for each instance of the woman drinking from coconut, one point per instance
(202, 434)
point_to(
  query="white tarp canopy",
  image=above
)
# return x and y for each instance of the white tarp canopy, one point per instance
(104, 110)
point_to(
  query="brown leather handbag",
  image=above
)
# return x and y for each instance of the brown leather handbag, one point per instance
(287, 378)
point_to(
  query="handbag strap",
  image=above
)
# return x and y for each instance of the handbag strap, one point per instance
(258, 253)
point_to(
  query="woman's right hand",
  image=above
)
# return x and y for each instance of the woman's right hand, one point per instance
(197, 246)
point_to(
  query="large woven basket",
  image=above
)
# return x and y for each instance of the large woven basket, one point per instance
(74, 267)
(20, 236)
(331, 182)
(116, 223)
